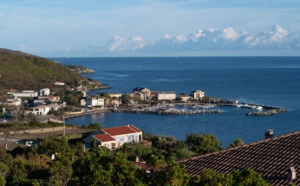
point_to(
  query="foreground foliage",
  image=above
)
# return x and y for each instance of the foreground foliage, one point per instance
(53, 161)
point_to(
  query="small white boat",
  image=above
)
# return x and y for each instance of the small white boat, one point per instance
(259, 108)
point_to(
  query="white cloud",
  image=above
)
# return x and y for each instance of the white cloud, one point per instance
(209, 39)
(229, 34)
(119, 44)
(180, 39)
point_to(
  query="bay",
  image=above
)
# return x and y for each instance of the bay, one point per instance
(271, 81)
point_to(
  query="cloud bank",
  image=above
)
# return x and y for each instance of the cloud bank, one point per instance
(210, 39)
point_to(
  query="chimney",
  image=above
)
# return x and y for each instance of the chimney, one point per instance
(269, 134)
(291, 174)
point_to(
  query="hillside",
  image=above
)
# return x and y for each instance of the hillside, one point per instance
(24, 71)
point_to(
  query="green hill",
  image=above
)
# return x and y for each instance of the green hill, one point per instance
(24, 71)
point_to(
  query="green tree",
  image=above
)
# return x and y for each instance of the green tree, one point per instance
(18, 174)
(127, 98)
(209, 177)
(4, 170)
(202, 144)
(236, 143)
(156, 161)
(173, 175)
(103, 167)
(248, 177)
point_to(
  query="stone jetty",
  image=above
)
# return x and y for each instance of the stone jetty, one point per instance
(267, 112)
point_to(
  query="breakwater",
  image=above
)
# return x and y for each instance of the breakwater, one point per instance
(267, 112)
(172, 112)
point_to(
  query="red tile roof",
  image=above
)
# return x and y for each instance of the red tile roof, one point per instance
(271, 158)
(127, 129)
(104, 137)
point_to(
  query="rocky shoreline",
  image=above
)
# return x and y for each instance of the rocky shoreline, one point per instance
(80, 69)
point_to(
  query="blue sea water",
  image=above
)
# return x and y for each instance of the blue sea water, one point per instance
(271, 81)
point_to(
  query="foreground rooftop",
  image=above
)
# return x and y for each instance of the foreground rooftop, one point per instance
(276, 159)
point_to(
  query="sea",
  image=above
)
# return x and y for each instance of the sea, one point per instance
(272, 81)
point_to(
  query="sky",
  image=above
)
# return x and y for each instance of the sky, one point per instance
(116, 28)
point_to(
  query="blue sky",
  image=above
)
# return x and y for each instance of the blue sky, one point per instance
(151, 27)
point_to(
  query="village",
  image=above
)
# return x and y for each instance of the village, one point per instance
(45, 102)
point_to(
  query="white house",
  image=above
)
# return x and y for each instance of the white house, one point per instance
(24, 94)
(45, 92)
(41, 110)
(58, 83)
(115, 137)
(166, 96)
(184, 97)
(95, 102)
(13, 101)
(197, 94)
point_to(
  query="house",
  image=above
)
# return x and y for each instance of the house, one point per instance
(95, 102)
(58, 83)
(54, 99)
(197, 94)
(166, 96)
(153, 94)
(144, 93)
(114, 137)
(13, 101)
(116, 98)
(41, 110)
(275, 158)
(45, 92)
(184, 97)
(24, 94)
(83, 102)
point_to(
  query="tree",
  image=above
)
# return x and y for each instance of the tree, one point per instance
(209, 177)
(156, 161)
(18, 174)
(173, 175)
(248, 177)
(202, 144)
(103, 167)
(237, 142)
(126, 98)
(3, 173)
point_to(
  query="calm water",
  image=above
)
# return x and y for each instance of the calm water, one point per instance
(263, 80)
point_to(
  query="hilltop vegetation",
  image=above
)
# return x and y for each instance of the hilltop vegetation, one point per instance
(24, 71)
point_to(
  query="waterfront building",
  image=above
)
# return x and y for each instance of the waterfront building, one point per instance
(166, 96)
(41, 110)
(141, 93)
(114, 137)
(184, 97)
(95, 102)
(197, 94)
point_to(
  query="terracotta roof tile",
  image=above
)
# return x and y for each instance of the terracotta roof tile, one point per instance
(271, 158)
(127, 129)
(104, 137)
